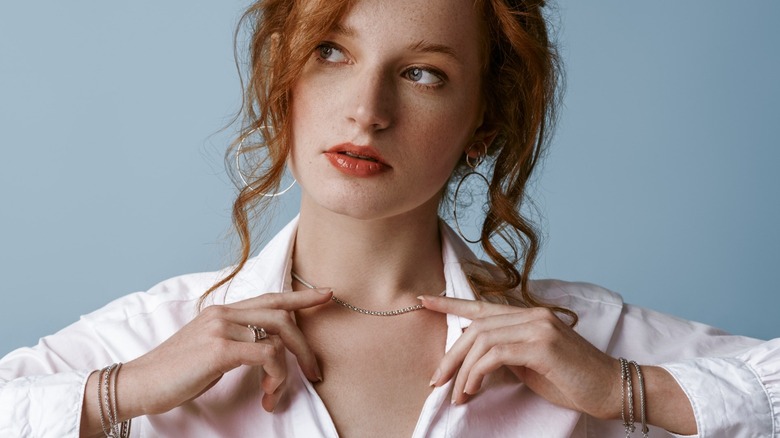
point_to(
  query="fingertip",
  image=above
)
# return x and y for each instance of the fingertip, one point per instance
(268, 403)
(436, 377)
(323, 290)
(313, 373)
(427, 300)
(315, 379)
(317, 374)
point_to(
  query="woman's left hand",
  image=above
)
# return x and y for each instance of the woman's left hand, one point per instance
(541, 350)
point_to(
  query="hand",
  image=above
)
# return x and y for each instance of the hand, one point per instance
(218, 340)
(534, 344)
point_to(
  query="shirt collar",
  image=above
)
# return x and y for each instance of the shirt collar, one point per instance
(270, 270)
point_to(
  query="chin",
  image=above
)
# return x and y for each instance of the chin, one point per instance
(360, 209)
(365, 207)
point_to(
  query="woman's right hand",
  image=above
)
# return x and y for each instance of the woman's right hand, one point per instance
(216, 341)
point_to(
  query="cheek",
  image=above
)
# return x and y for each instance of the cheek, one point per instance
(305, 116)
(442, 136)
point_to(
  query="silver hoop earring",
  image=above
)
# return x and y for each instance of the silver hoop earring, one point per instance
(473, 166)
(480, 157)
(241, 174)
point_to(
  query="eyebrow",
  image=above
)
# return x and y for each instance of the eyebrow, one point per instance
(426, 47)
(344, 30)
(421, 46)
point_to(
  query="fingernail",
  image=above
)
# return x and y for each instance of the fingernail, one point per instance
(420, 297)
(436, 377)
(323, 290)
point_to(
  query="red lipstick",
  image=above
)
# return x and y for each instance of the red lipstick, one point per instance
(359, 161)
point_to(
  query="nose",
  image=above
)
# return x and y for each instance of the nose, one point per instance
(371, 108)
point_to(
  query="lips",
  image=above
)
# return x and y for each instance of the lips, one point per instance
(359, 161)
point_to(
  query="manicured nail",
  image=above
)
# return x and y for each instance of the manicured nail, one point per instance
(323, 290)
(317, 373)
(436, 377)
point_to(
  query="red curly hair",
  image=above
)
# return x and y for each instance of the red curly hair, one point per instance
(520, 83)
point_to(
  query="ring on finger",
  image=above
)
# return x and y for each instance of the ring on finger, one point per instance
(258, 333)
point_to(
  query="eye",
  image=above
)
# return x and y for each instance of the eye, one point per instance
(424, 76)
(327, 52)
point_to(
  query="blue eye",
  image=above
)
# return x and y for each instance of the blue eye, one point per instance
(423, 76)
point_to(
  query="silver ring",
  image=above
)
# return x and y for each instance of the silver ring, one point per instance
(258, 333)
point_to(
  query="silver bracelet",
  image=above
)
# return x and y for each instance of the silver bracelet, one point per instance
(642, 402)
(627, 397)
(106, 431)
(107, 403)
(107, 398)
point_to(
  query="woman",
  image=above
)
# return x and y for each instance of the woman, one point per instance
(375, 107)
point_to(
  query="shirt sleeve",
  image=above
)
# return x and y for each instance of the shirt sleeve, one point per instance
(732, 382)
(42, 406)
(42, 388)
(735, 396)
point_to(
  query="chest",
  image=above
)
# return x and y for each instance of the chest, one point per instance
(376, 370)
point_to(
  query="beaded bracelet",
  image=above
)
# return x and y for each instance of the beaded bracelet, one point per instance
(107, 403)
(627, 397)
(642, 407)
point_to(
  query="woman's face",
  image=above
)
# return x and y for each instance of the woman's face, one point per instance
(386, 105)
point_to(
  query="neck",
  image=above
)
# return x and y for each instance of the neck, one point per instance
(379, 263)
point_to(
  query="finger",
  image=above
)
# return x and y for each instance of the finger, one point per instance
(232, 354)
(493, 359)
(489, 344)
(457, 353)
(472, 309)
(275, 367)
(290, 301)
(294, 340)
(274, 377)
(243, 332)
(274, 322)
(270, 401)
(267, 354)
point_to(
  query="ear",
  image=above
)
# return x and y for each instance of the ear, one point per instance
(480, 143)
(483, 136)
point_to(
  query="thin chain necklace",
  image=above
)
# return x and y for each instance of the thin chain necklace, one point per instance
(358, 309)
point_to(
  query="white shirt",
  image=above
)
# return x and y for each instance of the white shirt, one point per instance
(733, 382)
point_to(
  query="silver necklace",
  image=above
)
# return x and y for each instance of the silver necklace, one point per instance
(358, 309)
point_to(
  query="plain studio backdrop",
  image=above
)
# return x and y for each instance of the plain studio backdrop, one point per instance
(661, 183)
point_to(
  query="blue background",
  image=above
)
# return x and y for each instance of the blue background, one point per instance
(661, 183)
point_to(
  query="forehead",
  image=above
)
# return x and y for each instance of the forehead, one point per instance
(453, 23)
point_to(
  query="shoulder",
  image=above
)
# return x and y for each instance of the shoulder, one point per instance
(576, 296)
(176, 295)
(598, 309)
